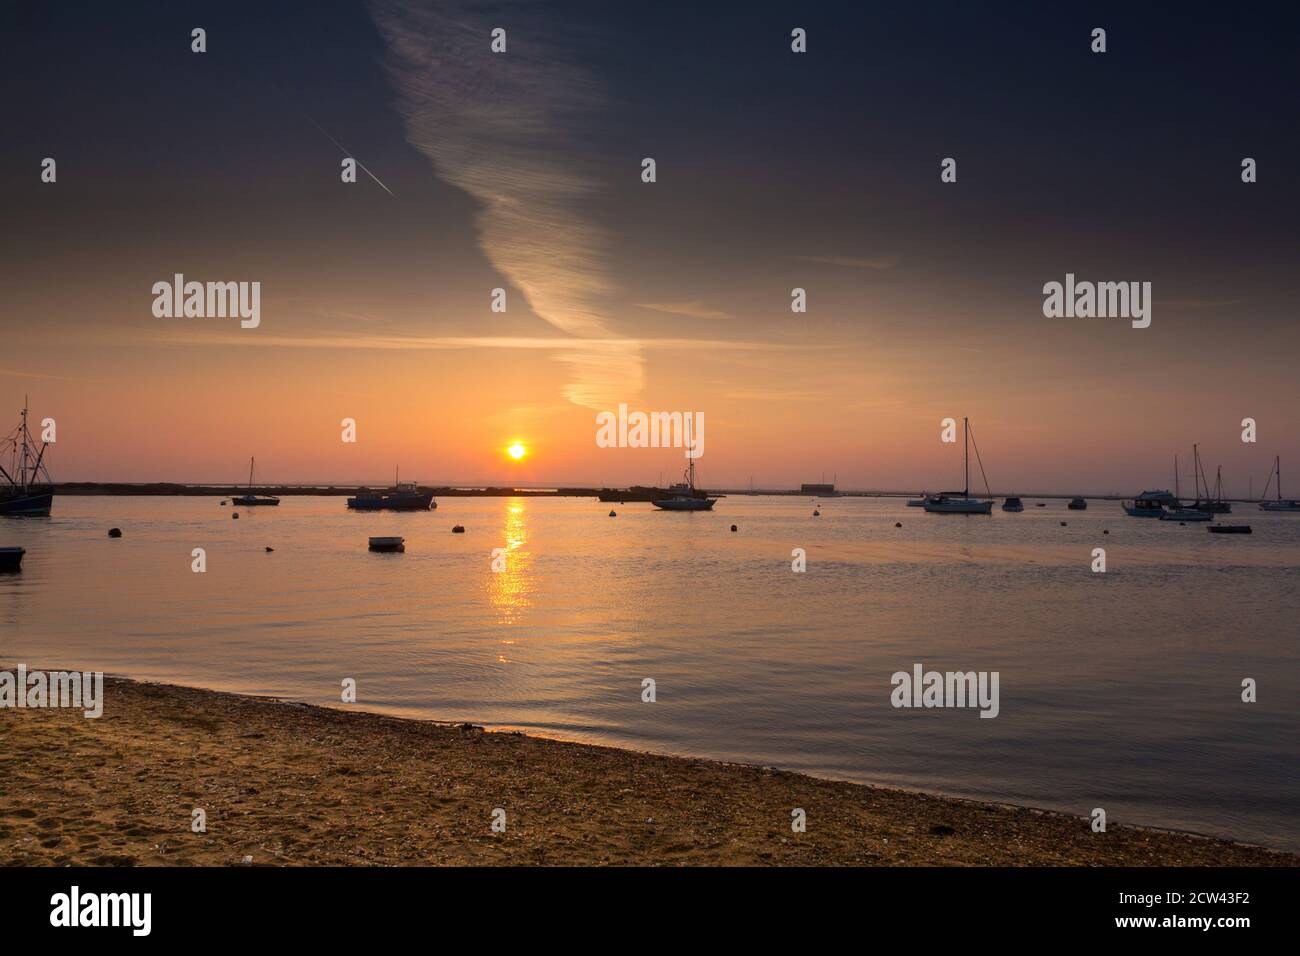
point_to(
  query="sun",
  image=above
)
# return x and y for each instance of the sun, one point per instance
(516, 451)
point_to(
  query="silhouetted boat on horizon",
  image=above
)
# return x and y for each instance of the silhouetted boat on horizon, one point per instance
(405, 496)
(25, 496)
(251, 500)
(1280, 504)
(954, 503)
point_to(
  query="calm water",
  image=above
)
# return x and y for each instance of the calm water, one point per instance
(1119, 690)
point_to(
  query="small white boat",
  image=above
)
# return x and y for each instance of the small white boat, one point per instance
(1186, 514)
(961, 503)
(388, 544)
(1013, 504)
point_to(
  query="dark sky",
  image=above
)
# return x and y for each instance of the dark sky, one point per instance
(775, 170)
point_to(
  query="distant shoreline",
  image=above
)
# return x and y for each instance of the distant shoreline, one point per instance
(288, 783)
(180, 489)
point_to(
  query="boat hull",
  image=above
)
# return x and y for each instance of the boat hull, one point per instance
(1134, 512)
(253, 501)
(11, 559)
(959, 506)
(685, 504)
(27, 506)
(1279, 505)
(389, 503)
(1186, 516)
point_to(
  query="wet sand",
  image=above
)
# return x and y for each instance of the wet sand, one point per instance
(291, 784)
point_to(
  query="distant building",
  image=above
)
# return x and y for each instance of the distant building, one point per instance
(818, 489)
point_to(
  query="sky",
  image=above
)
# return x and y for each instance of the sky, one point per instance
(775, 170)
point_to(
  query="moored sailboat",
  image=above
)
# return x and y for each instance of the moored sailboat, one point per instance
(251, 500)
(1280, 503)
(952, 503)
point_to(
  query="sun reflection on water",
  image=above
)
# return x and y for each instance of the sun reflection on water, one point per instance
(509, 589)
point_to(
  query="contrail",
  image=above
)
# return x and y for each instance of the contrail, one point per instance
(346, 152)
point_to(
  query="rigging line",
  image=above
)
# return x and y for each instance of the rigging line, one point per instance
(976, 446)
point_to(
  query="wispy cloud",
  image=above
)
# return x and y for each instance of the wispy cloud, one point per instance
(851, 262)
(694, 309)
(514, 130)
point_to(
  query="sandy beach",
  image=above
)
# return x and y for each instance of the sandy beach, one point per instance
(291, 784)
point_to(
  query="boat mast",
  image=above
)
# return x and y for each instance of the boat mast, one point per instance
(22, 464)
(1277, 463)
(1178, 493)
(690, 462)
(965, 434)
(250, 475)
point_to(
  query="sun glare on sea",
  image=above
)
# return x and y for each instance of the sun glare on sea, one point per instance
(516, 451)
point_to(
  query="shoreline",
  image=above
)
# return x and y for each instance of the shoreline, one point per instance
(289, 783)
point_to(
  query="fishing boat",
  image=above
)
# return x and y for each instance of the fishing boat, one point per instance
(1280, 504)
(1013, 504)
(1077, 504)
(251, 500)
(24, 494)
(11, 559)
(1149, 504)
(684, 496)
(405, 496)
(954, 503)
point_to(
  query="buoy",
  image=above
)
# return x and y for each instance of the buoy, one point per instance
(269, 550)
(115, 532)
(816, 513)
(235, 515)
(733, 527)
(1104, 531)
(223, 504)
(1064, 525)
(459, 529)
(613, 514)
(898, 524)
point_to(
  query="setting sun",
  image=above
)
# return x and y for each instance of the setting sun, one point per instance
(516, 451)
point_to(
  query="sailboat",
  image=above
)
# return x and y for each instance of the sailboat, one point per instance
(1178, 512)
(952, 503)
(251, 500)
(683, 496)
(1212, 505)
(26, 494)
(1280, 504)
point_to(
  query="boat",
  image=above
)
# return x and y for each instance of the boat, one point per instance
(1186, 514)
(636, 493)
(1214, 504)
(390, 545)
(1280, 504)
(11, 559)
(1077, 504)
(251, 500)
(918, 502)
(1149, 504)
(405, 496)
(955, 503)
(1229, 528)
(684, 496)
(1013, 504)
(25, 494)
